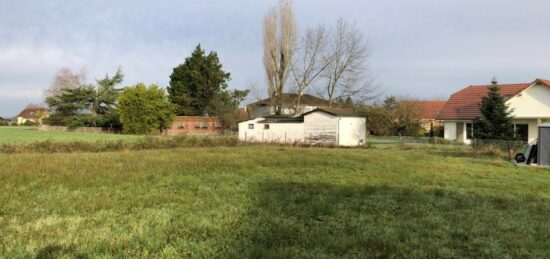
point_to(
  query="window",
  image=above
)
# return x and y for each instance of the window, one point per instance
(250, 126)
(266, 126)
(469, 131)
(522, 131)
(201, 125)
(217, 125)
(181, 125)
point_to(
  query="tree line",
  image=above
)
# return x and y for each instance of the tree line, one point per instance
(198, 87)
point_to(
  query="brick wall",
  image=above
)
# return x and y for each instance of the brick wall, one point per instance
(195, 125)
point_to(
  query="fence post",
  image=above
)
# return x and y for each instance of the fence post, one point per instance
(263, 141)
(509, 149)
(285, 137)
(245, 137)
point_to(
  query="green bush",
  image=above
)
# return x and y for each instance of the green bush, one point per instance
(29, 123)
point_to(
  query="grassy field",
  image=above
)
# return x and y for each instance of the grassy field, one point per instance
(258, 201)
(21, 135)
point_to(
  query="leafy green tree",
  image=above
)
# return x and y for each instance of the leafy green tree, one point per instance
(145, 109)
(199, 84)
(495, 121)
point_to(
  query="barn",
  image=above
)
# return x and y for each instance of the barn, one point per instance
(321, 126)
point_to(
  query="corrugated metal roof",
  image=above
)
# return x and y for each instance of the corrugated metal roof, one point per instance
(343, 112)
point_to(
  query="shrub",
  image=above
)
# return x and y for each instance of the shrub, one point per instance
(29, 123)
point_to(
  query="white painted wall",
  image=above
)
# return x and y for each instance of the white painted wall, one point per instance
(317, 128)
(277, 132)
(246, 134)
(321, 128)
(532, 103)
(283, 132)
(352, 131)
(449, 130)
(533, 128)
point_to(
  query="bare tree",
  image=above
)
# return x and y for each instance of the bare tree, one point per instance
(65, 78)
(255, 92)
(347, 73)
(309, 63)
(279, 44)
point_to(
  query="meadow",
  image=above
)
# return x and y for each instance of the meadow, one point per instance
(266, 202)
(23, 135)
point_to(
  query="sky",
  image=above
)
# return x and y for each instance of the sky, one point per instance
(422, 48)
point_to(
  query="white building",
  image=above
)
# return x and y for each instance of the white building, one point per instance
(529, 102)
(321, 126)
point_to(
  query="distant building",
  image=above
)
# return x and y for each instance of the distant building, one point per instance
(528, 102)
(195, 125)
(320, 126)
(34, 114)
(265, 108)
(429, 110)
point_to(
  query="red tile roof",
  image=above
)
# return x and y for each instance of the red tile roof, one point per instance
(33, 112)
(429, 109)
(464, 104)
(543, 81)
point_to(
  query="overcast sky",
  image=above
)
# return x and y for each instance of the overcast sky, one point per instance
(420, 48)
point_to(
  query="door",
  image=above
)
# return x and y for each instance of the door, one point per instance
(460, 132)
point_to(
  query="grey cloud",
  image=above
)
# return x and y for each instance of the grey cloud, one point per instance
(421, 48)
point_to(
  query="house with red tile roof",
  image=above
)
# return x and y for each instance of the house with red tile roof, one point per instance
(429, 110)
(529, 102)
(32, 113)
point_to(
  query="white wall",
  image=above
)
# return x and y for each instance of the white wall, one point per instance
(321, 128)
(277, 132)
(352, 131)
(317, 128)
(534, 103)
(246, 134)
(283, 132)
(533, 132)
(449, 130)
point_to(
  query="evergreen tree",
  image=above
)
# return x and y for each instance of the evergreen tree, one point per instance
(107, 93)
(495, 121)
(198, 83)
(87, 105)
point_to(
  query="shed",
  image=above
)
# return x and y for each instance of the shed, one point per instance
(321, 126)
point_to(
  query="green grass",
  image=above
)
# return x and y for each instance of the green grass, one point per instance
(254, 201)
(22, 135)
